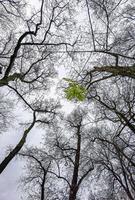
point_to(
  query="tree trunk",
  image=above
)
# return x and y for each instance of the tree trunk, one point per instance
(43, 186)
(18, 147)
(74, 183)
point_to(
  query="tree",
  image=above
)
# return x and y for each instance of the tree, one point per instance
(73, 148)
(115, 117)
(26, 59)
(108, 75)
(108, 49)
(117, 158)
(68, 159)
(37, 181)
(100, 57)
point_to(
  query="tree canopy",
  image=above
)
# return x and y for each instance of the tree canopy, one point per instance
(90, 152)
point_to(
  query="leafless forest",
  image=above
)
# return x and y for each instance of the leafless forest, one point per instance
(58, 54)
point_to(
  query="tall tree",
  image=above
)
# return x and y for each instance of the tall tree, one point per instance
(27, 62)
(36, 176)
(68, 152)
(74, 150)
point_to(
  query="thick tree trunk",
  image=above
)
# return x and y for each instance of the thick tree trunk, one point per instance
(74, 183)
(43, 186)
(15, 151)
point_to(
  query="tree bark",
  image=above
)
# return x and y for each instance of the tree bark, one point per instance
(43, 186)
(74, 183)
(17, 148)
(118, 71)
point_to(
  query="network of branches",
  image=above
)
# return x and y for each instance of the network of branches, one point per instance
(88, 153)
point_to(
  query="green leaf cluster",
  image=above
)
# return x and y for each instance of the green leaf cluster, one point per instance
(75, 91)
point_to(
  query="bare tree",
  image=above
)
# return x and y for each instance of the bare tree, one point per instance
(108, 45)
(117, 158)
(27, 63)
(108, 75)
(38, 165)
(40, 180)
(74, 148)
(67, 151)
